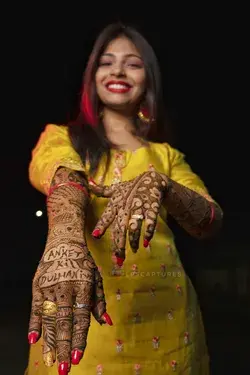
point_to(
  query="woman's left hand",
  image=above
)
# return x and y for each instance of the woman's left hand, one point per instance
(130, 203)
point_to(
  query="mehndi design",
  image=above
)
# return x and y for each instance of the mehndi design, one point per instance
(140, 199)
(66, 276)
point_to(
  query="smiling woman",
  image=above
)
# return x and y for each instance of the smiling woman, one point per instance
(110, 187)
(120, 77)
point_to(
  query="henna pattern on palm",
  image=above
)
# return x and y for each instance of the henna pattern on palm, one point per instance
(66, 274)
(144, 196)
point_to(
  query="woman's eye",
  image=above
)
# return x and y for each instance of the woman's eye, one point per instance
(105, 63)
(135, 64)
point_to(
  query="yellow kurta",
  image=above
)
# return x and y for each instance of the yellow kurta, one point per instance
(157, 327)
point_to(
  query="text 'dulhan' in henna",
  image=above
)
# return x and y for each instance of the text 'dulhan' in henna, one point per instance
(52, 278)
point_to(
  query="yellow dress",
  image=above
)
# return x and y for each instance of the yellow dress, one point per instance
(157, 327)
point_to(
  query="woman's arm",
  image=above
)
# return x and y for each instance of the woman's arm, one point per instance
(67, 275)
(199, 216)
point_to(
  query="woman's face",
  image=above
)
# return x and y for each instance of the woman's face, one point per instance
(120, 77)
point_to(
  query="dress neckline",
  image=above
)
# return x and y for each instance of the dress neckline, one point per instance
(146, 145)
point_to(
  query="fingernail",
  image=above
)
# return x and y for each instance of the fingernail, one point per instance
(96, 233)
(63, 368)
(32, 337)
(92, 182)
(145, 243)
(76, 356)
(119, 261)
(107, 319)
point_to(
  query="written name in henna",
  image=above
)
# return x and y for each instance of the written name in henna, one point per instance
(63, 252)
(67, 274)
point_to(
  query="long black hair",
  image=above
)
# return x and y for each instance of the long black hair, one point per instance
(87, 132)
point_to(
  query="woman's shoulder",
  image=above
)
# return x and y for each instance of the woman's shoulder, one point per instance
(54, 131)
(165, 150)
(52, 150)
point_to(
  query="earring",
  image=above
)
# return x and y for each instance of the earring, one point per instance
(144, 115)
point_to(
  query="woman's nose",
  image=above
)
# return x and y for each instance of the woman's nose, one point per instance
(118, 70)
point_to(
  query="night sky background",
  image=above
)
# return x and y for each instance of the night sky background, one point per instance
(201, 55)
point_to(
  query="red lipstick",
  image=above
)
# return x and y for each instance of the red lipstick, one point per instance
(118, 86)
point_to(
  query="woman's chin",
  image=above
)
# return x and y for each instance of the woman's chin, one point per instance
(119, 106)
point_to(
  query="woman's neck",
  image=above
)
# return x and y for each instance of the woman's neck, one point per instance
(119, 130)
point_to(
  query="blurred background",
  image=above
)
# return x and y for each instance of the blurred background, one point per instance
(201, 53)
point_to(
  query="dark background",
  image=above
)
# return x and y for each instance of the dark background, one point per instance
(201, 54)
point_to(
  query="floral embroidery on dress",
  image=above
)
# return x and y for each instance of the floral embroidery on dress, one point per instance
(36, 365)
(134, 269)
(137, 318)
(152, 290)
(119, 161)
(137, 368)
(156, 342)
(179, 289)
(186, 338)
(118, 294)
(170, 314)
(173, 364)
(169, 249)
(99, 369)
(119, 346)
(163, 270)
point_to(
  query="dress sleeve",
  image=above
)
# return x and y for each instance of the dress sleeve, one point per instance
(53, 150)
(181, 172)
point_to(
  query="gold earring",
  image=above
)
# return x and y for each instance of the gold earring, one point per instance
(143, 116)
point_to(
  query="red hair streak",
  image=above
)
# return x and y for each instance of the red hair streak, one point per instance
(87, 109)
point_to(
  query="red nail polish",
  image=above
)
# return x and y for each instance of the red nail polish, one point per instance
(32, 337)
(76, 356)
(145, 243)
(63, 368)
(107, 319)
(119, 261)
(92, 182)
(96, 233)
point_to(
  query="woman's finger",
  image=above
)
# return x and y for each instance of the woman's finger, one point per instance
(35, 324)
(64, 319)
(150, 222)
(81, 320)
(134, 228)
(119, 234)
(99, 302)
(101, 191)
(49, 332)
(105, 220)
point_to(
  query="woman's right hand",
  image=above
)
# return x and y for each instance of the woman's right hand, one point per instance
(67, 286)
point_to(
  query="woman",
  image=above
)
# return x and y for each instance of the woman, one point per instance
(109, 188)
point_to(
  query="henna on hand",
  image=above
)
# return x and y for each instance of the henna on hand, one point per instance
(140, 199)
(66, 274)
(130, 203)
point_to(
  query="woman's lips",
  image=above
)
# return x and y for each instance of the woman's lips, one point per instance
(118, 87)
